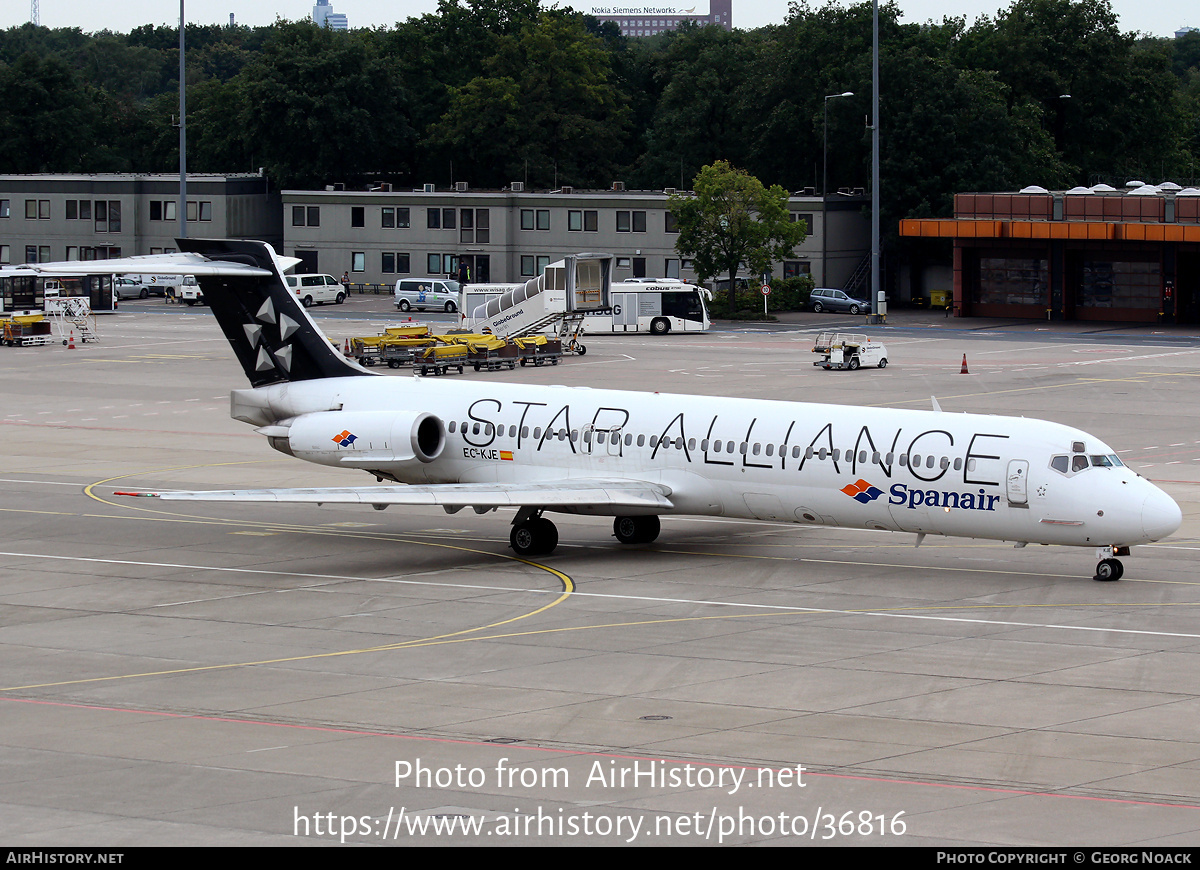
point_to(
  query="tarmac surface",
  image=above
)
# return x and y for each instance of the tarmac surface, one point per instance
(225, 674)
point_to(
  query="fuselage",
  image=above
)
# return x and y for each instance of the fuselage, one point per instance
(994, 477)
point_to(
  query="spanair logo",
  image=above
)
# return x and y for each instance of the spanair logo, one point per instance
(862, 492)
(344, 438)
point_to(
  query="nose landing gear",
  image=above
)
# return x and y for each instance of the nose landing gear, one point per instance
(1110, 569)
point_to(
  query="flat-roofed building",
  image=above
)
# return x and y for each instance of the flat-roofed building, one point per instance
(45, 218)
(1098, 253)
(508, 235)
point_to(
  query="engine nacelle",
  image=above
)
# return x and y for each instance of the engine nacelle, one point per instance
(389, 440)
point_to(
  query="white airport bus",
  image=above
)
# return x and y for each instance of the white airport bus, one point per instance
(654, 305)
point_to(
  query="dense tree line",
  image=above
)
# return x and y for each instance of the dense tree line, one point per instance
(494, 91)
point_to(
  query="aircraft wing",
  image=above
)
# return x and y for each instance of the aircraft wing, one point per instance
(162, 264)
(550, 495)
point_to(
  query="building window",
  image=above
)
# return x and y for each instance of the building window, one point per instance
(193, 210)
(387, 219)
(527, 267)
(72, 209)
(672, 270)
(622, 262)
(543, 218)
(205, 210)
(155, 209)
(31, 253)
(43, 253)
(526, 219)
(108, 216)
(73, 252)
(433, 218)
(358, 262)
(358, 216)
(447, 218)
(796, 268)
(395, 263)
(672, 223)
(5, 208)
(441, 264)
(402, 218)
(631, 221)
(542, 263)
(5, 254)
(304, 216)
(575, 221)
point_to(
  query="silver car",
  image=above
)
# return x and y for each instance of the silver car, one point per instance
(830, 299)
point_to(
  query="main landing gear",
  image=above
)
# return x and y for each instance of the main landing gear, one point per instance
(636, 530)
(534, 535)
(1110, 569)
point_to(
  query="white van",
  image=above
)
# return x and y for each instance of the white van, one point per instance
(439, 294)
(317, 288)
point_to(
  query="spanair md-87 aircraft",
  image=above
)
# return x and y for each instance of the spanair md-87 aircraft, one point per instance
(636, 456)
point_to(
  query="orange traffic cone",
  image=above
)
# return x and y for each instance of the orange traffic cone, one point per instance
(964, 371)
(346, 352)
(71, 346)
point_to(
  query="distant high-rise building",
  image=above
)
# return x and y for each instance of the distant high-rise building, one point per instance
(324, 16)
(649, 20)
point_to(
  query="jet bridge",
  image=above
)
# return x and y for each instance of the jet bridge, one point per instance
(554, 303)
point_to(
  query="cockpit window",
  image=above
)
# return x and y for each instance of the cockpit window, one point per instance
(1079, 462)
(1107, 461)
(1060, 464)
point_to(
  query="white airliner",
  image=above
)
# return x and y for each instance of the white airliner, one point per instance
(636, 456)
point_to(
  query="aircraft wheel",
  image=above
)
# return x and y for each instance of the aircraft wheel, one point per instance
(1109, 570)
(535, 537)
(636, 530)
(883, 363)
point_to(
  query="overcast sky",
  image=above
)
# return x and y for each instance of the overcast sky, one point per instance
(1161, 18)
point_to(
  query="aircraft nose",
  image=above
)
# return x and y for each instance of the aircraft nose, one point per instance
(1160, 515)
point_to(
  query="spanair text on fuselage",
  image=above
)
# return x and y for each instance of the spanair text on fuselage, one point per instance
(900, 470)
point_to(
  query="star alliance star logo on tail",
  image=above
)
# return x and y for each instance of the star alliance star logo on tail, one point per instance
(862, 492)
(344, 438)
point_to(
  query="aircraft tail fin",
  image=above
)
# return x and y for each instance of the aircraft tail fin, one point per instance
(274, 338)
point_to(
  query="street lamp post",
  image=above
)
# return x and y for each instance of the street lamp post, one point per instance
(825, 183)
(825, 142)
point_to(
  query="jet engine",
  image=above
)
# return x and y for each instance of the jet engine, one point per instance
(390, 440)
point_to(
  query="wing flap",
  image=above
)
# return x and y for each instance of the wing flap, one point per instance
(568, 493)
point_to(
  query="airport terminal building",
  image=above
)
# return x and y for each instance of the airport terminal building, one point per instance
(45, 218)
(1094, 253)
(510, 235)
(380, 235)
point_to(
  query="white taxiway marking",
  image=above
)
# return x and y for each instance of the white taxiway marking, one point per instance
(737, 605)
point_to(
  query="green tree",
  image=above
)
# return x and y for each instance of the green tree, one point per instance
(732, 219)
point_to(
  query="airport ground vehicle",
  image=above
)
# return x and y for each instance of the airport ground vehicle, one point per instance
(437, 294)
(844, 350)
(830, 299)
(319, 289)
